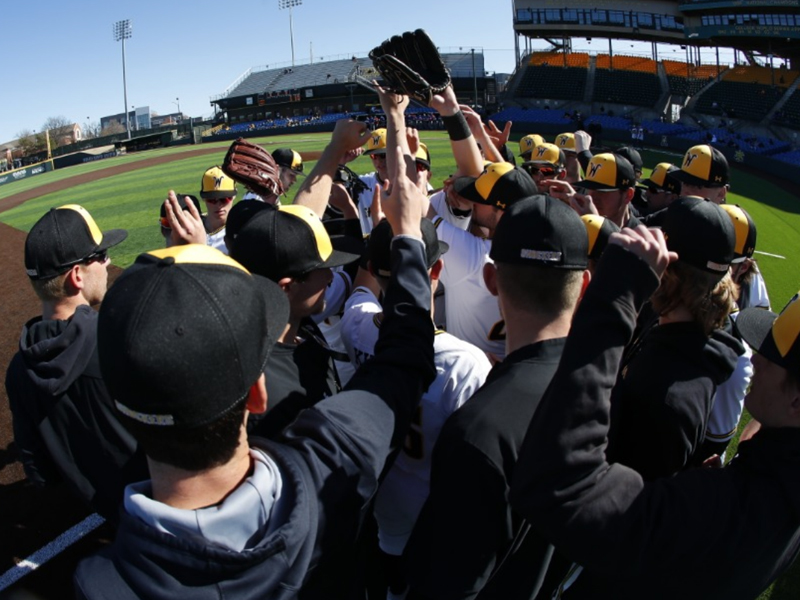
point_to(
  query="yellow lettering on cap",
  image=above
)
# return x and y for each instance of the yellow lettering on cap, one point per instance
(310, 218)
(786, 327)
(197, 254)
(94, 230)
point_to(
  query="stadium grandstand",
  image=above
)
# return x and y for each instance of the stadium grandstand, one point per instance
(722, 72)
(318, 93)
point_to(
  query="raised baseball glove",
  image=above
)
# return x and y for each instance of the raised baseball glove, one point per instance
(253, 167)
(410, 64)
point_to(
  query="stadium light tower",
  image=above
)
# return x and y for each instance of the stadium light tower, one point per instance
(282, 4)
(123, 31)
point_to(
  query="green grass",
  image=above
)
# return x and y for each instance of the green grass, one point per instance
(131, 201)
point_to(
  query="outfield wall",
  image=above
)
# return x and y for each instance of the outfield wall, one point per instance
(25, 172)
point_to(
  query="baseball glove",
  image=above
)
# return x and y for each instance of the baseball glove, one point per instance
(253, 167)
(411, 65)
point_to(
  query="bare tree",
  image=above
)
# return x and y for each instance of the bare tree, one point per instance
(60, 129)
(30, 142)
(112, 128)
(91, 130)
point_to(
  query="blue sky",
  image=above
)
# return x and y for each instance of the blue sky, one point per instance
(60, 58)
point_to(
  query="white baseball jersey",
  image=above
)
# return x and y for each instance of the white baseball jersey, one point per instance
(364, 201)
(215, 239)
(473, 314)
(461, 369)
(439, 204)
(729, 399)
(756, 294)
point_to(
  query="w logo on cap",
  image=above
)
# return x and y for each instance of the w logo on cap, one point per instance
(540, 152)
(689, 159)
(529, 142)
(564, 140)
(376, 139)
(594, 168)
(218, 181)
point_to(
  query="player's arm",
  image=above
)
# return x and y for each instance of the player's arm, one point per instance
(394, 106)
(465, 148)
(562, 482)
(583, 143)
(316, 189)
(481, 135)
(356, 429)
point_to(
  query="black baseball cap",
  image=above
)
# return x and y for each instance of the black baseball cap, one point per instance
(661, 179)
(631, 155)
(380, 242)
(501, 184)
(775, 337)
(241, 213)
(288, 242)
(63, 237)
(704, 166)
(608, 172)
(745, 229)
(540, 230)
(701, 233)
(286, 157)
(599, 230)
(174, 351)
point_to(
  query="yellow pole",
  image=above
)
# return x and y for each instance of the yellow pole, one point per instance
(47, 137)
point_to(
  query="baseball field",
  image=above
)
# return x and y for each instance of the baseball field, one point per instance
(126, 192)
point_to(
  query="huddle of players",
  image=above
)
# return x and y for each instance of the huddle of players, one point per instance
(498, 482)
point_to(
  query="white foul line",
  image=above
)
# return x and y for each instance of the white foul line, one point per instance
(768, 254)
(58, 545)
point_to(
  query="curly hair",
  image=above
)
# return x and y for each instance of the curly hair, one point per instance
(708, 298)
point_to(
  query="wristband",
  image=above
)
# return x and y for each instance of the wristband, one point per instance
(457, 127)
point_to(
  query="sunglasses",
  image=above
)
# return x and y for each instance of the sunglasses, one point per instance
(215, 201)
(377, 156)
(546, 172)
(100, 257)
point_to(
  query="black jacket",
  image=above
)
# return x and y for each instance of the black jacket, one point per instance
(298, 376)
(329, 459)
(64, 422)
(664, 394)
(467, 527)
(705, 533)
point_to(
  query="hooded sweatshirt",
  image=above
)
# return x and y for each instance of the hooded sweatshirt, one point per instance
(63, 418)
(291, 529)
